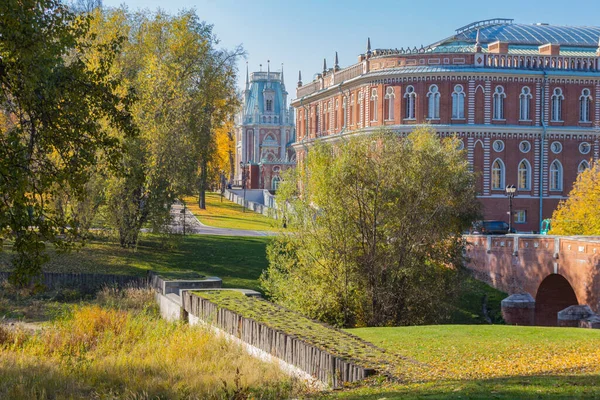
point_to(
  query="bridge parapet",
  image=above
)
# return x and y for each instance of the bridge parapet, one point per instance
(522, 263)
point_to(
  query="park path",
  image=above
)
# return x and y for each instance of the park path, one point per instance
(194, 226)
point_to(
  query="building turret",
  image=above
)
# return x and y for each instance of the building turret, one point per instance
(369, 47)
(477, 43)
(336, 66)
(299, 78)
(324, 66)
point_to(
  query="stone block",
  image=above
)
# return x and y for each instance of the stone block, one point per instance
(519, 309)
(571, 316)
(592, 322)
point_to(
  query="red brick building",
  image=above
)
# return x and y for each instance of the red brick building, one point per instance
(522, 98)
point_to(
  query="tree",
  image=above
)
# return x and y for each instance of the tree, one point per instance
(377, 223)
(56, 107)
(579, 214)
(171, 64)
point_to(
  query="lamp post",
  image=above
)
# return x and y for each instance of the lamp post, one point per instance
(242, 166)
(510, 192)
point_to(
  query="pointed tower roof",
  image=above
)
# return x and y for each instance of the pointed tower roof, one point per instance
(247, 76)
(336, 66)
(324, 66)
(299, 78)
(368, 46)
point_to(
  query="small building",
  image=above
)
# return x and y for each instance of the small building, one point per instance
(264, 131)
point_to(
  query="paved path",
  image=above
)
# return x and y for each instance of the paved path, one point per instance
(193, 225)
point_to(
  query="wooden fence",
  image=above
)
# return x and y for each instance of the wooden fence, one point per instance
(84, 282)
(324, 366)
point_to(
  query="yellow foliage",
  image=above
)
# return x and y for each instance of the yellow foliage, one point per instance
(580, 213)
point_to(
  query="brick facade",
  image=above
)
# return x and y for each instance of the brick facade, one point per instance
(401, 77)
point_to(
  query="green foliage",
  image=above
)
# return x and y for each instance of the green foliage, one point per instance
(55, 109)
(377, 224)
(170, 62)
(579, 214)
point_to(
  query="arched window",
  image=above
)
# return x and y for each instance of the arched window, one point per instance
(434, 102)
(352, 98)
(335, 114)
(557, 99)
(458, 102)
(525, 104)
(583, 166)
(344, 115)
(524, 176)
(373, 110)
(499, 96)
(556, 175)
(359, 108)
(269, 105)
(389, 103)
(275, 183)
(410, 97)
(585, 102)
(498, 175)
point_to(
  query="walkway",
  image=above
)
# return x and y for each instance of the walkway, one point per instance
(194, 226)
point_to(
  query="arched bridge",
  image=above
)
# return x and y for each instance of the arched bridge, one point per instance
(557, 271)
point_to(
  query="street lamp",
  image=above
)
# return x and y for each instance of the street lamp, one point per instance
(510, 192)
(242, 166)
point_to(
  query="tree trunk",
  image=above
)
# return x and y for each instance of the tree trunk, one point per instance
(203, 177)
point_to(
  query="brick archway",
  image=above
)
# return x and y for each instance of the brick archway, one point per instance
(554, 294)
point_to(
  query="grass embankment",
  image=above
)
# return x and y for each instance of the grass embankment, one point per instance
(334, 341)
(119, 347)
(490, 361)
(230, 215)
(239, 261)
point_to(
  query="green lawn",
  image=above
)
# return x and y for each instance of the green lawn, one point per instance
(488, 361)
(239, 261)
(227, 214)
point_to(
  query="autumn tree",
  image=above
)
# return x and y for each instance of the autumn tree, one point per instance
(58, 114)
(579, 214)
(376, 230)
(173, 66)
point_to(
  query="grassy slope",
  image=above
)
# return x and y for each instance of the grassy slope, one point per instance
(491, 361)
(227, 214)
(239, 261)
(119, 347)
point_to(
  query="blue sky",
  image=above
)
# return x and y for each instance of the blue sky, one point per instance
(300, 34)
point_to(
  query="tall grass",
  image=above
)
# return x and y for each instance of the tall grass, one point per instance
(119, 347)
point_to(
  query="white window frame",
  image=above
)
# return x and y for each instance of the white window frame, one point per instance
(524, 167)
(560, 147)
(344, 112)
(497, 170)
(501, 143)
(557, 99)
(585, 105)
(555, 173)
(390, 97)
(499, 96)
(275, 182)
(525, 142)
(589, 147)
(525, 104)
(373, 104)
(458, 102)
(411, 102)
(583, 165)
(520, 216)
(433, 103)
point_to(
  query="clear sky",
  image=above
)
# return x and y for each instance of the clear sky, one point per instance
(301, 33)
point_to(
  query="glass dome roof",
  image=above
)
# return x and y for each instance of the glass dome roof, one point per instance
(505, 30)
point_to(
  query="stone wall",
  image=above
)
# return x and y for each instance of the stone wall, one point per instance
(84, 282)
